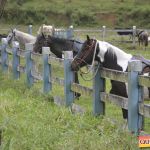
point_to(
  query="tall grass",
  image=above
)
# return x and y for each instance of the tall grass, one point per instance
(30, 120)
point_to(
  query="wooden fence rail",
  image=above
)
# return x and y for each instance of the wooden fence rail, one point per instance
(137, 110)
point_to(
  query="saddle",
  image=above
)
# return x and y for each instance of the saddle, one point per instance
(145, 63)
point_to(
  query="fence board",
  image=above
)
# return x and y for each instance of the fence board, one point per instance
(81, 89)
(37, 76)
(54, 60)
(114, 75)
(117, 100)
(57, 80)
(9, 51)
(144, 109)
(21, 69)
(36, 56)
(21, 53)
(144, 80)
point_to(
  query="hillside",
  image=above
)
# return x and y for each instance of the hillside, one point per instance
(112, 13)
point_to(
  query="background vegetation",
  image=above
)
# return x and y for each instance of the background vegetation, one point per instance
(28, 118)
(112, 13)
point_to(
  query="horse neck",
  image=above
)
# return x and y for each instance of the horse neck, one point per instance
(110, 54)
(24, 37)
(59, 45)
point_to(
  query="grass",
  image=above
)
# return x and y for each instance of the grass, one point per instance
(29, 120)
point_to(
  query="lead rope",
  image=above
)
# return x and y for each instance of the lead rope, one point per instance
(85, 79)
(91, 67)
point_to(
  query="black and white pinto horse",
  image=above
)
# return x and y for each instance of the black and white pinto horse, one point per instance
(57, 46)
(20, 36)
(142, 37)
(110, 57)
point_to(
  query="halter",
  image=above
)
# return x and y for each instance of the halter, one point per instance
(82, 60)
(12, 37)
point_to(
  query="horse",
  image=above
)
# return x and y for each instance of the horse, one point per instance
(20, 36)
(46, 30)
(57, 46)
(142, 37)
(110, 57)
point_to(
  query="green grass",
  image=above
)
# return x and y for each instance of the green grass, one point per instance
(29, 120)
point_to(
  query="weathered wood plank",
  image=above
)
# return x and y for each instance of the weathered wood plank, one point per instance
(57, 80)
(58, 61)
(37, 76)
(21, 53)
(74, 108)
(117, 100)
(21, 69)
(144, 109)
(81, 89)
(114, 75)
(144, 80)
(36, 56)
(9, 51)
(9, 64)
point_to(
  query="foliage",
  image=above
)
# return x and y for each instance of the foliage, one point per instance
(78, 13)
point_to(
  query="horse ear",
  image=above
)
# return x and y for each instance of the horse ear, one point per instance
(11, 30)
(88, 38)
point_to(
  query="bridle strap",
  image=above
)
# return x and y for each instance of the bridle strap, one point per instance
(91, 66)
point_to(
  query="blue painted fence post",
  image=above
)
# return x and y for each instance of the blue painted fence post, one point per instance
(70, 32)
(134, 96)
(98, 86)
(16, 60)
(4, 55)
(29, 64)
(68, 77)
(30, 29)
(47, 86)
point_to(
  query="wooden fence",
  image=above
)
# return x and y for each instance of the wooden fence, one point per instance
(137, 110)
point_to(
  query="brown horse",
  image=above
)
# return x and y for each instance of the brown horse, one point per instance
(142, 37)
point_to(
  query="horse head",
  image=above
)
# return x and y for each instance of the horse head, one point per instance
(86, 54)
(11, 36)
(41, 41)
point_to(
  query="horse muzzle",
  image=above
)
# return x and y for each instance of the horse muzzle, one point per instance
(74, 66)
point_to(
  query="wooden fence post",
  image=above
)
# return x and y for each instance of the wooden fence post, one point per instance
(68, 78)
(134, 36)
(4, 55)
(103, 33)
(98, 86)
(134, 96)
(30, 29)
(29, 64)
(16, 60)
(47, 86)
(70, 32)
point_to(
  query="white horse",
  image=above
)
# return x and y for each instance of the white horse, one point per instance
(20, 36)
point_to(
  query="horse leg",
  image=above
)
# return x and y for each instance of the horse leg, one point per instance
(77, 95)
